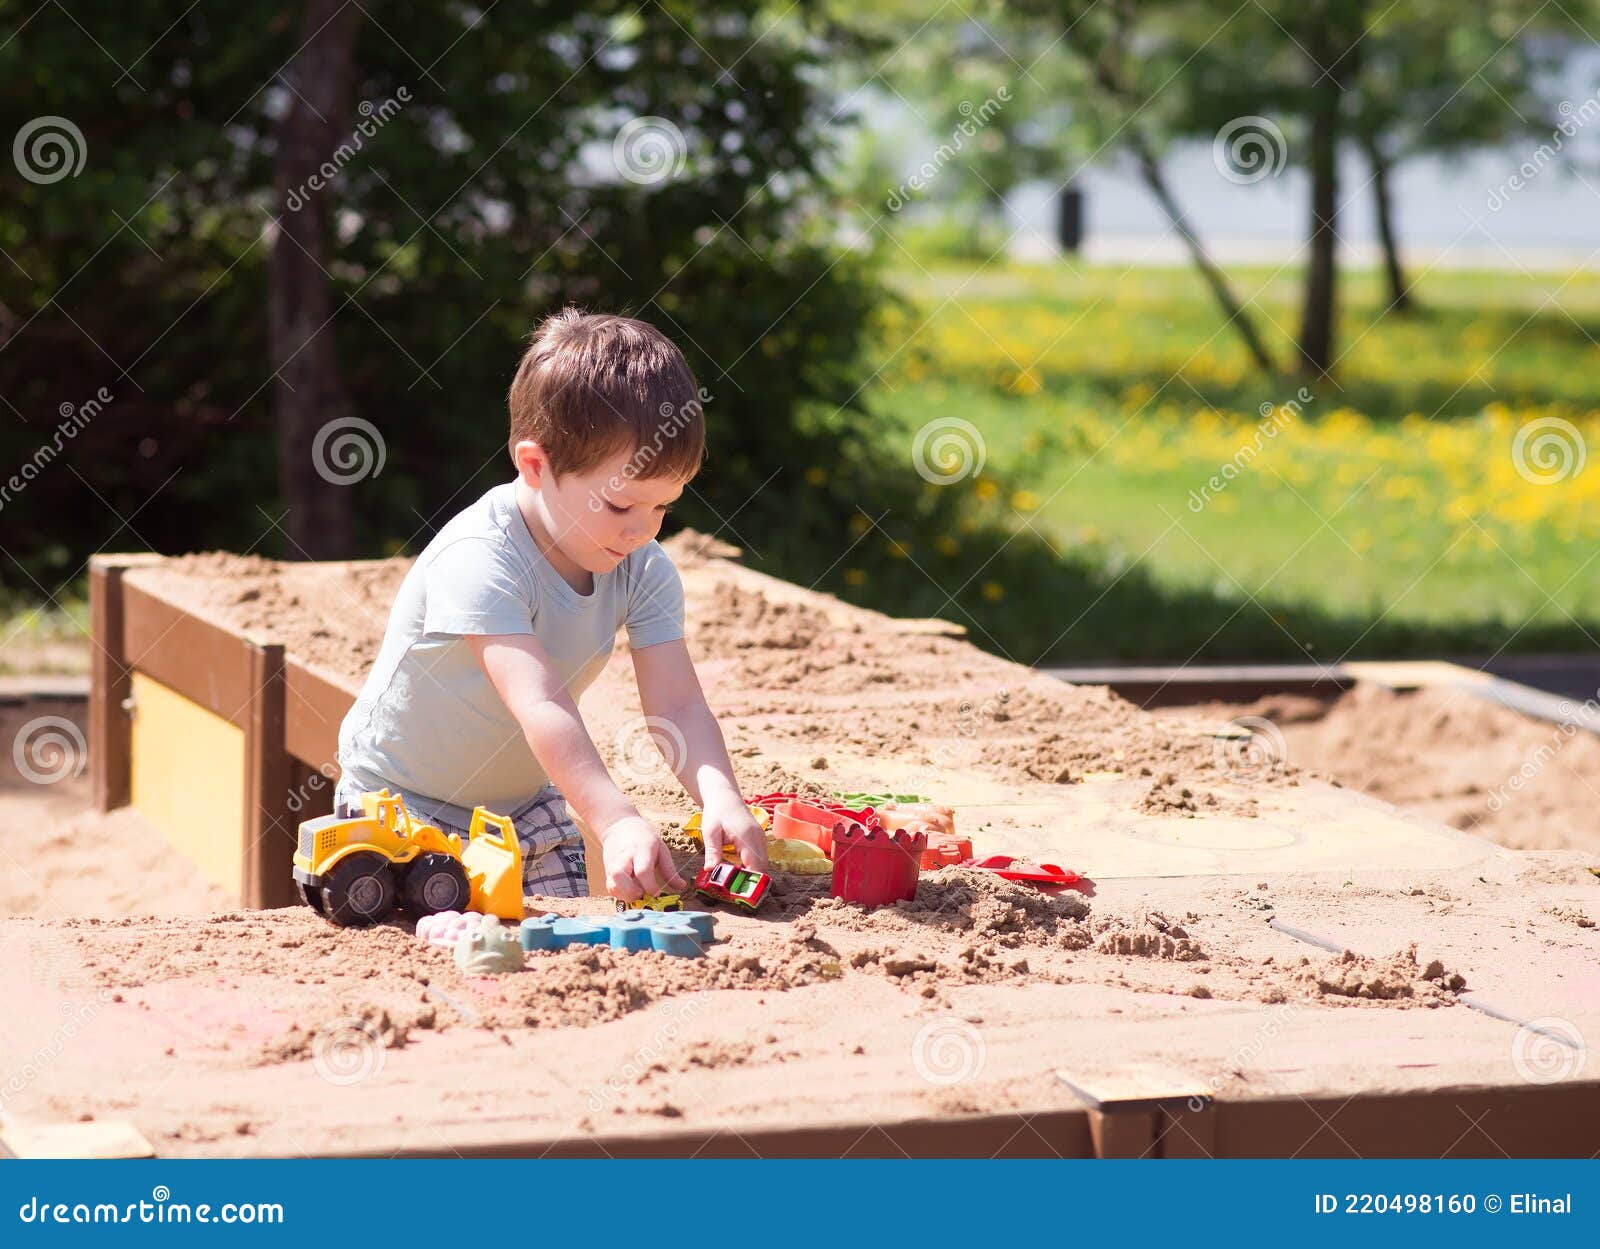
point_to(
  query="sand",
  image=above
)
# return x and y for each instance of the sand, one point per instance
(831, 679)
(274, 1032)
(1446, 754)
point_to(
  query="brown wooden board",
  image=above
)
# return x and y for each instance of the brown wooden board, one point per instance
(314, 704)
(205, 662)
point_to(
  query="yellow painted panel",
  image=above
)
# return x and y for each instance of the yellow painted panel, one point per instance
(188, 779)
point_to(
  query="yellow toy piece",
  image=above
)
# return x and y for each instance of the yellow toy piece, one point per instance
(783, 854)
(692, 825)
(355, 870)
(494, 865)
(799, 857)
(653, 902)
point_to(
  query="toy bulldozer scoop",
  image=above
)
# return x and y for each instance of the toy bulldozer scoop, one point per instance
(493, 859)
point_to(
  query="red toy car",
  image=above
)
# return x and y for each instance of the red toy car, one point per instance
(728, 882)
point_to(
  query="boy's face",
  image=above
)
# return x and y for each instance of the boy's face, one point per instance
(599, 517)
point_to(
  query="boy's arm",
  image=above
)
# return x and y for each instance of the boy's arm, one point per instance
(636, 861)
(670, 691)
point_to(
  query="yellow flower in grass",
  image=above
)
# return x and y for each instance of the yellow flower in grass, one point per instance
(946, 545)
(816, 475)
(1025, 501)
(993, 591)
(986, 489)
(855, 576)
(898, 549)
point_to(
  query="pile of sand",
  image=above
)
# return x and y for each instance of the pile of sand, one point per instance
(1447, 754)
(833, 679)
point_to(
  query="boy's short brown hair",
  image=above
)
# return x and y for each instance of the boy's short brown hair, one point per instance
(592, 384)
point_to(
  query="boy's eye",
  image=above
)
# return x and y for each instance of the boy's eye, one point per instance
(618, 510)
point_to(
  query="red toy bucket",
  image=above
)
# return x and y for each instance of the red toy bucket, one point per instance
(874, 867)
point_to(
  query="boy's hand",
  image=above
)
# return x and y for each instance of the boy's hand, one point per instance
(725, 818)
(637, 861)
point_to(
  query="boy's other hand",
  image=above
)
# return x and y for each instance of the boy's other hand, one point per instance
(637, 861)
(726, 819)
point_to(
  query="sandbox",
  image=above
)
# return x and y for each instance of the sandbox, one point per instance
(1191, 1005)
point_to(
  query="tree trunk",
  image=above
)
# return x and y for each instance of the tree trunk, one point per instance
(308, 388)
(1233, 311)
(1399, 295)
(1331, 46)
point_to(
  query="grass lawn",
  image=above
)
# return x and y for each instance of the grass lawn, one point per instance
(1121, 428)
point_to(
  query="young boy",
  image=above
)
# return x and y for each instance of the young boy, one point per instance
(512, 609)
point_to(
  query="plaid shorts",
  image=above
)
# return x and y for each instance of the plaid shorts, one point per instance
(553, 862)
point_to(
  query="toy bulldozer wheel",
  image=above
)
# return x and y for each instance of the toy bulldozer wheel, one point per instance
(359, 890)
(434, 883)
(311, 895)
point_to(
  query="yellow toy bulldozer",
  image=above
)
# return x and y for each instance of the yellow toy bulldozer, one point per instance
(354, 870)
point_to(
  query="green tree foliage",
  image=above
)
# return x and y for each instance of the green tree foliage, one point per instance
(477, 187)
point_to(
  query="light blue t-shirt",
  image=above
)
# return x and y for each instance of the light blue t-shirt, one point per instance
(428, 723)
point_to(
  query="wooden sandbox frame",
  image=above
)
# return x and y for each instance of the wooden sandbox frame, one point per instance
(223, 741)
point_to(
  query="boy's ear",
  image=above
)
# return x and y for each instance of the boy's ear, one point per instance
(533, 465)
